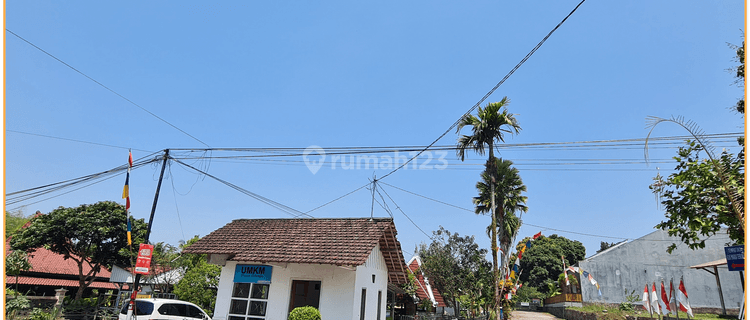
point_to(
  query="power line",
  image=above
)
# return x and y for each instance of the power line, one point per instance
(492, 90)
(105, 87)
(79, 141)
(281, 207)
(404, 213)
(337, 199)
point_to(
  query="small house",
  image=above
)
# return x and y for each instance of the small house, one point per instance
(342, 267)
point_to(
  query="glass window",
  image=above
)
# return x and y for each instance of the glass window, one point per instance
(193, 312)
(141, 307)
(248, 299)
(172, 309)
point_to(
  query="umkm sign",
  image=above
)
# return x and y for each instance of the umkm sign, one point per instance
(252, 273)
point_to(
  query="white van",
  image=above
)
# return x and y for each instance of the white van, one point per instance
(163, 309)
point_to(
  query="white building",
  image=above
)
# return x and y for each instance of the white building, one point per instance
(270, 266)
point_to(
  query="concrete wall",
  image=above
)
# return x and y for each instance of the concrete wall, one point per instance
(340, 288)
(630, 266)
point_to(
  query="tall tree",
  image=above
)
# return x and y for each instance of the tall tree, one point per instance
(509, 189)
(705, 195)
(94, 235)
(489, 127)
(165, 268)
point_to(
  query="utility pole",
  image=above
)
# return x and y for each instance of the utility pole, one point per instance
(137, 280)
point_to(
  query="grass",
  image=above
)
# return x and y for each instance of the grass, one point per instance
(609, 312)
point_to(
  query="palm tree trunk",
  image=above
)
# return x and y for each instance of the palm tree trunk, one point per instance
(493, 228)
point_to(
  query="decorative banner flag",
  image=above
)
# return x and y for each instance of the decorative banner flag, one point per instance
(130, 240)
(126, 195)
(528, 244)
(665, 299)
(646, 304)
(682, 296)
(537, 235)
(655, 300)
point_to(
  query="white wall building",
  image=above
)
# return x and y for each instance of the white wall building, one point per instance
(270, 266)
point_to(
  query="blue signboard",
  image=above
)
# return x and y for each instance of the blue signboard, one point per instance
(252, 273)
(735, 258)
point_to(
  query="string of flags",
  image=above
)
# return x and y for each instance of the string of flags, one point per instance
(667, 304)
(584, 275)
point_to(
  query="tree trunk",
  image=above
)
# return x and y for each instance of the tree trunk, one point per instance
(493, 228)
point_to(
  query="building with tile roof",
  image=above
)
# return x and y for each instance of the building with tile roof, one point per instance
(343, 267)
(50, 271)
(424, 289)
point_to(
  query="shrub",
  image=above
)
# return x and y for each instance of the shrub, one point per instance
(14, 305)
(39, 314)
(304, 313)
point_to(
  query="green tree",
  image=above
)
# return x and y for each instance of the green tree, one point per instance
(14, 221)
(455, 266)
(542, 263)
(488, 128)
(15, 263)
(509, 189)
(695, 199)
(200, 281)
(94, 235)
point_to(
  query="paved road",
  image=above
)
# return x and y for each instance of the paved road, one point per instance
(531, 315)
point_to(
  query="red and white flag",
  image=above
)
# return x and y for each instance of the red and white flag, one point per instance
(682, 297)
(655, 300)
(665, 299)
(646, 304)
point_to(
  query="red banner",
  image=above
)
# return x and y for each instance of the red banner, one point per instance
(143, 262)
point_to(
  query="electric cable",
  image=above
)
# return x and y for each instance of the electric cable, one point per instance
(105, 87)
(492, 90)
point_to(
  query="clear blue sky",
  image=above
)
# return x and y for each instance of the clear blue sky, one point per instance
(349, 73)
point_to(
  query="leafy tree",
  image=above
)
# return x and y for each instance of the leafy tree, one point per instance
(94, 235)
(200, 281)
(541, 263)
(14, 221)
(489, 127)
(526, 293)
(456, 266)
(695, 200)
(508, 194)
(15, 263)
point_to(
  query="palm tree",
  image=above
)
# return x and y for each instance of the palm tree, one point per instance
(488, 127)
(508, 192)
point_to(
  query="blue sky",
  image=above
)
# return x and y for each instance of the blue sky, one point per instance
(353, 74)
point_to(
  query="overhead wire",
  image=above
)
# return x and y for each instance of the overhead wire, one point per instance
(405, 215)
(281, 207)
(539, 45)
(105, 87)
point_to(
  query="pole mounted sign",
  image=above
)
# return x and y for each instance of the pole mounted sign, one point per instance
(143, 262)
(735, 257)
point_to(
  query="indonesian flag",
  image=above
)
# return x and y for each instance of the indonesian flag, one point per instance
(682, 296)
(655, 300)
(646, 304)
(665, 299)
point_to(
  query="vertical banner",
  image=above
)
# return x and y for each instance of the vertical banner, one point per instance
(143, 262)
